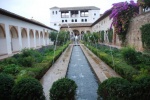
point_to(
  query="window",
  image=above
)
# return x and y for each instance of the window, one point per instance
(65, 20)
(94, 14)
(74, 13)
(62, 20)
(82, 20)
(56, 12)
(85, 20)
(72, 20)
(64, 14)
(55, 24)
(84, 13)
(75, 20)
(53, 12)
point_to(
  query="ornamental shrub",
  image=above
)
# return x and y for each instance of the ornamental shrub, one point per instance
(130, 55)
(6, 85)
(121, 15)
(28, 89)
(145, 29)
(114, 89)
(11, 69)
(63, 89)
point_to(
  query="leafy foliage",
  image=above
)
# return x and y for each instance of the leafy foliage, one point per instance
(145, 29)
(6, 85)
(121, 89)
(122, 13)
(114, 89)
(28, 89)
(63, 89)
(130, 55)
(11, 69)
(102, 36)
(110, 35)
(144, 3)
(62, 37)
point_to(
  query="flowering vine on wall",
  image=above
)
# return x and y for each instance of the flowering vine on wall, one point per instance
(121, 14)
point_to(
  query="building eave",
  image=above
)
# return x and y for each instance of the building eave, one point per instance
(13, 15)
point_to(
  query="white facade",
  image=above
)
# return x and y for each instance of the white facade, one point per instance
(18, 33)
(73, 15)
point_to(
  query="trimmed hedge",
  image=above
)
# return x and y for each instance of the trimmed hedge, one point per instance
(114, 89)
(6, 85)
(121, 89)
(28, 89)
(63, 89)
(31, 63)
(120, 66)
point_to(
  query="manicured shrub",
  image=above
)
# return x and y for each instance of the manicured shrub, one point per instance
(6, 85)
(63, 89)
(11, 69)
(129, 55)
(141, 89)
(10, 60)
(28, 89)
(27, 61)
(114, 89)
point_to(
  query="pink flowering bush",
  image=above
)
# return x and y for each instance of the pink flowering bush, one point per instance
(121, 14)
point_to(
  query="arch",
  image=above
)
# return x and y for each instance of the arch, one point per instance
(37, 39)
(24, 38)
(76, 32)
(88, 31)
(31, 35)
(82, 34)
(3, 44)
(14, 39)
(41, 38)
(46, 38)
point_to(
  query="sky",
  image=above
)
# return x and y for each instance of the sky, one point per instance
(39, 9)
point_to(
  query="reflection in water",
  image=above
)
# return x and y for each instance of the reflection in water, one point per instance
(79, 70)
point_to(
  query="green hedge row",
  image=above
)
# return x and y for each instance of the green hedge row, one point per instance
(120, 66)
(121, 89)
(30, 63)
(24, 89)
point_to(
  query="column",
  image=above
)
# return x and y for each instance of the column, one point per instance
(8, 39)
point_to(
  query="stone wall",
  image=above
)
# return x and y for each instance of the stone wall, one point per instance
(133, 37)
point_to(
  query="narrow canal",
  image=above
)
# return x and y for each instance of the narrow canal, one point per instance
(80, 71)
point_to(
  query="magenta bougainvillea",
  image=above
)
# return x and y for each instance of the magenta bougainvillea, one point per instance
(121, 15)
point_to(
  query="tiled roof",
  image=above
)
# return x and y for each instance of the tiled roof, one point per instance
(80, 8)
(106, 13)
(72, 25)
(13, 15)
(54, 7)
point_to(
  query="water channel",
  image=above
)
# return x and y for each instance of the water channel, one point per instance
(80, 71)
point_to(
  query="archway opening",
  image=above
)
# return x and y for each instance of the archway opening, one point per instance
(41, 38)
(37, 39)
(14, 39)
(46, 38)
(3, 45)
(31, 39)
(24, 39)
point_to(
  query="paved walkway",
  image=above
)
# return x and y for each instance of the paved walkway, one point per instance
(59, 68)
(102, 70)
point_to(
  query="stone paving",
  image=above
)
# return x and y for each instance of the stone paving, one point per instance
(59, 68)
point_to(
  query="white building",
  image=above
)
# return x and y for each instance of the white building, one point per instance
(17, 33)
(73, 15)
(103, 24)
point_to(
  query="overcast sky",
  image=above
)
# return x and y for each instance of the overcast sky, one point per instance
(39, 9)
